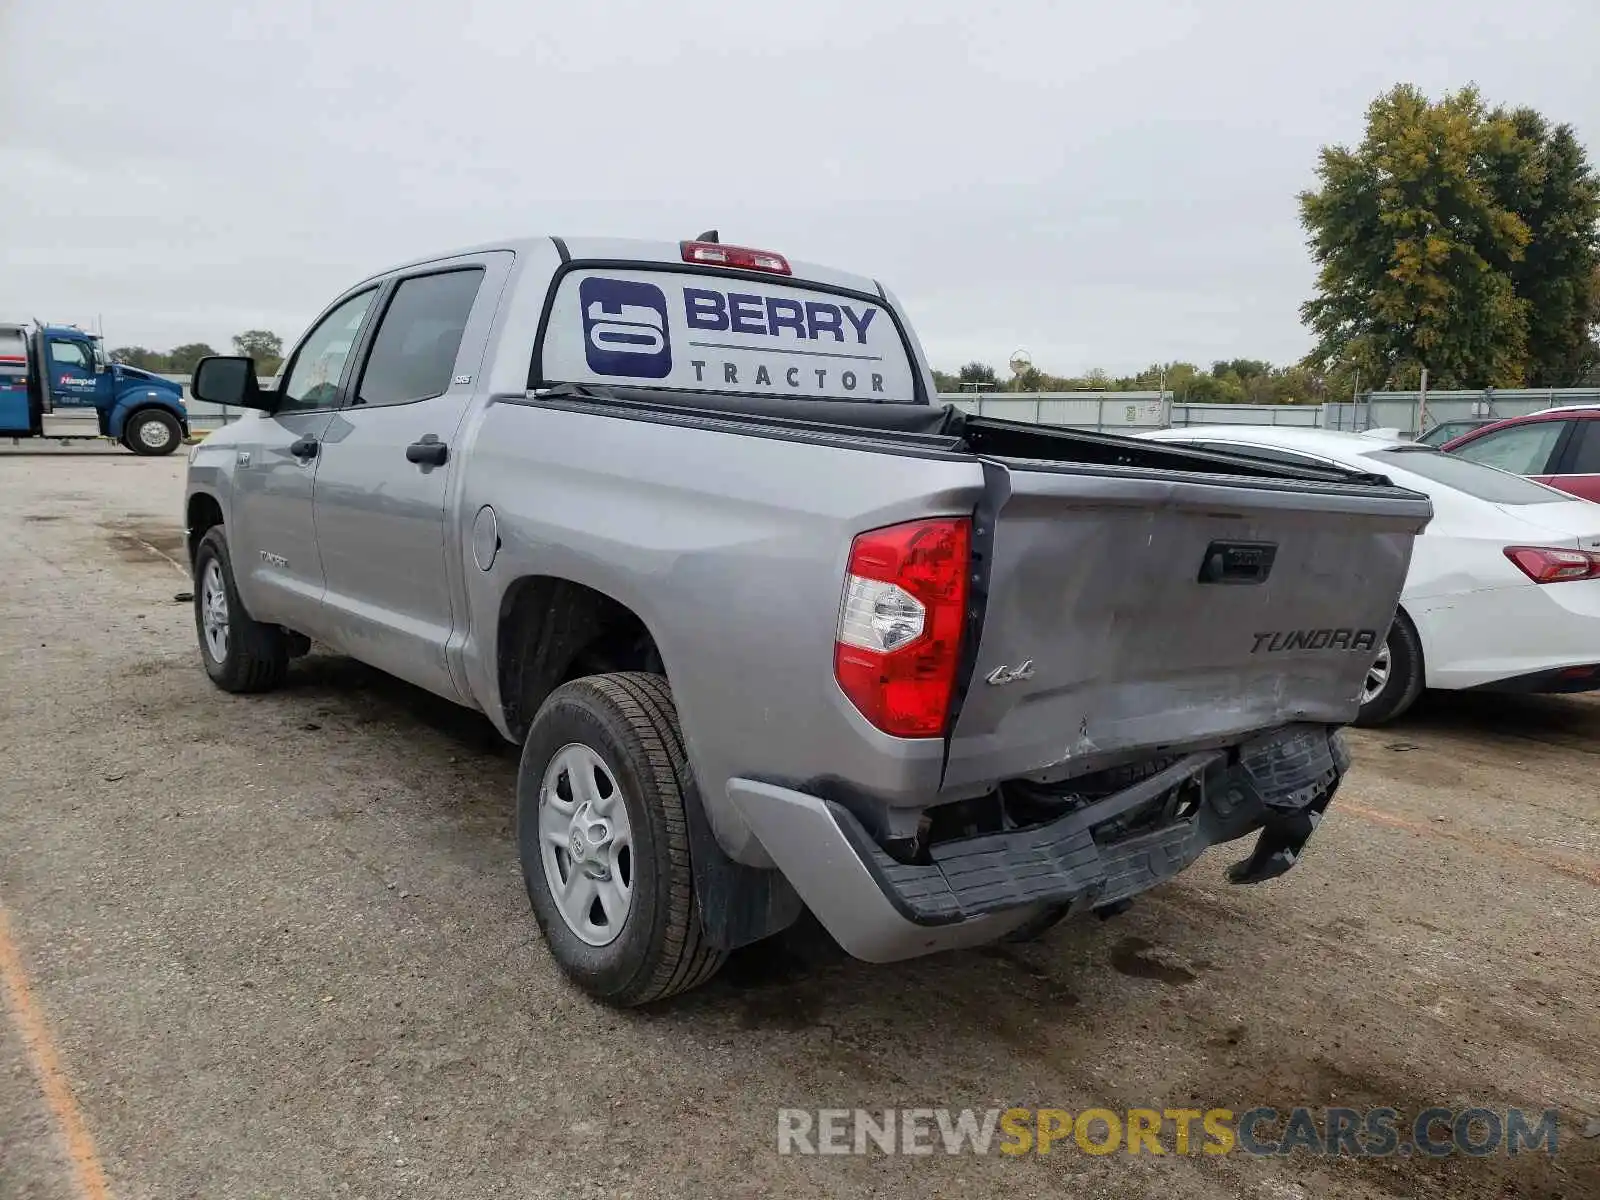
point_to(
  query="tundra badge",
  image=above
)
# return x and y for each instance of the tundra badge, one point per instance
(1315, 639)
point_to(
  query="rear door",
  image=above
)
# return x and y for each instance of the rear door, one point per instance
(1140, 609)
(1578, 470)
(387, 468)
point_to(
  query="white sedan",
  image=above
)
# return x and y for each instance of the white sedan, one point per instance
(1504, 588)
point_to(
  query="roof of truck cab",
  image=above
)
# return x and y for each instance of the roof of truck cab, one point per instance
(643, 250)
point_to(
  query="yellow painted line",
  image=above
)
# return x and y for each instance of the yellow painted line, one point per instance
(1561, 864)
(87, 1172)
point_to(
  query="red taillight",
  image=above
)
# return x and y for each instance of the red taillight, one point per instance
(715, 254)
(1548, 564)
(899, 637)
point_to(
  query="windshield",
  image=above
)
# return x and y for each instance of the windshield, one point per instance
(1444, 432)
(1475, 479)
(698, 332)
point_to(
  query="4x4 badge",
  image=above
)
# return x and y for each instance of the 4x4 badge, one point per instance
(1003, 674)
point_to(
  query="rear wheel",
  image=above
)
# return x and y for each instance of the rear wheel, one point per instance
(604, 839)
(152, 431)
(240, 654)
(1394, 681)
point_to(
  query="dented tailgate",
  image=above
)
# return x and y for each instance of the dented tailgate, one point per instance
(1134, 610)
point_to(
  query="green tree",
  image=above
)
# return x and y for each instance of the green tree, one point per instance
(262, 345)
(1411, 234)
(1543, 175)
(181, 360)
(1180, 379)
(976, 372)
(138, 356)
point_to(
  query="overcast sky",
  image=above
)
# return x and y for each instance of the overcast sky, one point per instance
(1103, 184)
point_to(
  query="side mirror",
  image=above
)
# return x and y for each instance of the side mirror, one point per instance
(226, 379)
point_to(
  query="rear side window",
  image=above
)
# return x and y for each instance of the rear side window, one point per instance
(414, 354)
(1475, 479)
(1521, 449)
(1586, 451)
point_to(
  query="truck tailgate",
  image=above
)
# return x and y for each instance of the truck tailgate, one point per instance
(1146, 611)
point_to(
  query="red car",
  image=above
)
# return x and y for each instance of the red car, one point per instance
(1559, 446)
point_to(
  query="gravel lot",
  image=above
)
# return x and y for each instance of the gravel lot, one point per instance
(280, 947)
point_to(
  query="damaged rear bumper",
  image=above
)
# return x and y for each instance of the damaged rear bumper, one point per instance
(977, 889)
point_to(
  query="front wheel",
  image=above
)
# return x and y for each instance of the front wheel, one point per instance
(1394, 681)
(604, 839)
(152, 431)
(240, 654)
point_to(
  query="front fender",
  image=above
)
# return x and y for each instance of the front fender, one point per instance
(209, 482)
(142, 396)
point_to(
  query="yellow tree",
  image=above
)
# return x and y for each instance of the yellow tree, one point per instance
(1412, 242)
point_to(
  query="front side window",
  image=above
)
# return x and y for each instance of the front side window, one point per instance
(70, 354)
(313, 380)
(414, 353)
(1521, 449)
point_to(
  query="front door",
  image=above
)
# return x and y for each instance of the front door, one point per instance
(271, 538)
(386, 467)
(72, 379)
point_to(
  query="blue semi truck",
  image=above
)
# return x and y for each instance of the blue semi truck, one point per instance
(47, 368)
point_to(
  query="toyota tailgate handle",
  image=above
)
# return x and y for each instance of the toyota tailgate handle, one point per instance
(1238, 562)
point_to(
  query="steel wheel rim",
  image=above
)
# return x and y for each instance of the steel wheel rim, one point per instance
(1377, 675)
(214, 611)
(154, 434)
(586, 844)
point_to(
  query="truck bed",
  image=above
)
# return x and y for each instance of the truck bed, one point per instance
(1132, 599)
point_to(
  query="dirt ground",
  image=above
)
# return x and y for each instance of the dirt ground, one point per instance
(278, 946)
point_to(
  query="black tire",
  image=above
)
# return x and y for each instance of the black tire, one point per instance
(132, 435)
(1400, 691)
(257, 655)
(630, 721)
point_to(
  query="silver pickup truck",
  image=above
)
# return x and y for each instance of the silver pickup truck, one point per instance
(774, 628)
